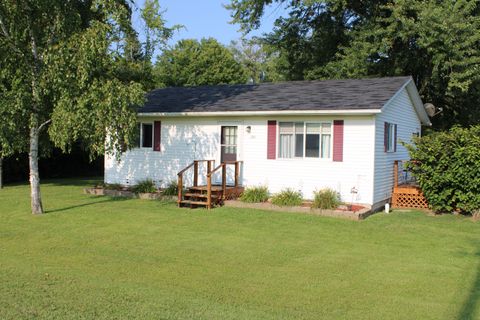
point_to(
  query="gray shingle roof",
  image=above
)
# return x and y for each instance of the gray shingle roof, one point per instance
(354, 94)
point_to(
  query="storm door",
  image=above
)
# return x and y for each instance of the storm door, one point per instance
(228, 143)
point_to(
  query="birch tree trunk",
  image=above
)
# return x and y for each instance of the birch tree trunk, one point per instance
(36, 198)
(1, 172)
(35, 127)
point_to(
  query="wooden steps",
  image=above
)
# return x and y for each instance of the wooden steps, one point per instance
(209, 195)
(197, 197)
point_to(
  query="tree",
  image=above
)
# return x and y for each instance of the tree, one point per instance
(65, 76)
(192, 62)
(136, 61)
(446, 167)
(437, 42)
(259, 60)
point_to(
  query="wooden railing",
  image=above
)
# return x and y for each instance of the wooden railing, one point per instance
(222, 166)
(406, 178)
(210, 173)
(194, 164)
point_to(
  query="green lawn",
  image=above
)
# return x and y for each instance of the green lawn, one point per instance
(102, 258)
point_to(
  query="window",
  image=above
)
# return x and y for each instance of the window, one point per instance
(286, 140)
(147, 135)
(390, 137)
(300, 139)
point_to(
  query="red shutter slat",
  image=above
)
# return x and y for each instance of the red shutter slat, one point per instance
(338, 140)
(395, 139)
(271, 139)
(157, 126)
(385, 137)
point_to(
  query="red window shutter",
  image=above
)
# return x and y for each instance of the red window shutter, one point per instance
(271, 139)
(157, 126)
(338, 140)
(395, 139)
(385, 137)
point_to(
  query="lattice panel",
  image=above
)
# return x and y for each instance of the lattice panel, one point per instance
(408, 200)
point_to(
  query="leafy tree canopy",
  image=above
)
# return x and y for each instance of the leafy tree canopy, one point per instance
(260, 60)
(437, 42)
(62, 75)
(191, 62)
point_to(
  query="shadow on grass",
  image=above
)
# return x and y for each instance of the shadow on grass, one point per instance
(109, 199)
(74, 182)
(469, 308)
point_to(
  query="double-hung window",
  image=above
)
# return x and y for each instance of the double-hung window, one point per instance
(304, 139)
(144, 137)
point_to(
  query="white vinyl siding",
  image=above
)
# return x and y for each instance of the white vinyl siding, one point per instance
(187, 138)
(399, 111)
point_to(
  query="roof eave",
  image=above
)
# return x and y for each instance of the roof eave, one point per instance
(416, 100)
(262, 113)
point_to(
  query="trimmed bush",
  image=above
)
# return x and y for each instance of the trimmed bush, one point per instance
(287, 198)
(113, 186)
(447, 167)
(255, 194)
(171, 189)
(326, 199)
(145, 186)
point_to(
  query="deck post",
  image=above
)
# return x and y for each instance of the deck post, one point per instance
(395, 173)
(180, 188)
(195, 173)
(209, 191)
(224, 180)
(237, 173)
(209, 166)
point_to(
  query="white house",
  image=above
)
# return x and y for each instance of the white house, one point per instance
(305, 135)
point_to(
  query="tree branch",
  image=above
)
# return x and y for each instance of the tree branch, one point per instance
(4, 29)
(43, 125)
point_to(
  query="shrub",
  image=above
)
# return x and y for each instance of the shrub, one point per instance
(255, 194)
(326, 199)
(447, 166)
(171, 189)
(113, 186)
(145, 186)
(287, 197)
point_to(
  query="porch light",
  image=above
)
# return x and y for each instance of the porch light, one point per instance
(248, 129)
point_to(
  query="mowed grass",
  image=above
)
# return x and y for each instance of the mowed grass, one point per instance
(102, 258)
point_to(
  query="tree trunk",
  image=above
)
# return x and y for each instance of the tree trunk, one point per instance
(36, 198)
(1, 172)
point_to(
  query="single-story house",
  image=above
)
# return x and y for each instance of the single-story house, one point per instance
(304, 135)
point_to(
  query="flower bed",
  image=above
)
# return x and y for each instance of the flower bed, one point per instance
(353, 212)
(127, 193)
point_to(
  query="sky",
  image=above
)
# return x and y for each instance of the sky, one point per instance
(208, 18)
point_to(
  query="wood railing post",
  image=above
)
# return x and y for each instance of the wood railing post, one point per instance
(209, 166)
(237, 173)
(395, 173)
(224, 180)
(209, 191)
(180, 188)
(195, 173)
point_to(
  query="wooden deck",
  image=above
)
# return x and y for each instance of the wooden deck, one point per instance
(407, 194)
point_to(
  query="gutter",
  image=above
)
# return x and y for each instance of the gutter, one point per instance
(261, 113)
